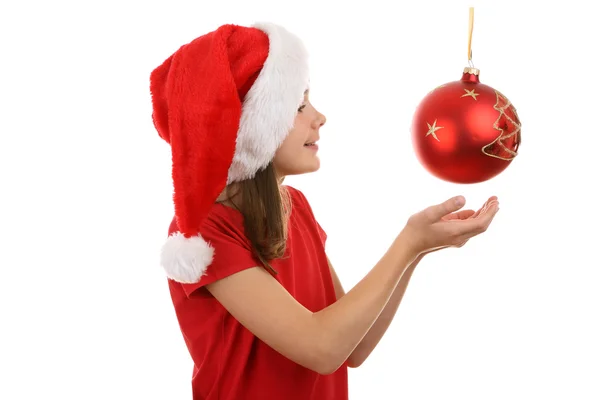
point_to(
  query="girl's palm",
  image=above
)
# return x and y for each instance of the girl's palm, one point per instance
(466, 214)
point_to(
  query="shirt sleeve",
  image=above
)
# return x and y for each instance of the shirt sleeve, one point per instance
(322, 232)
(232, 250)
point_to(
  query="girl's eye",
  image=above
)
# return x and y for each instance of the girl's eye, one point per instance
(301, 108)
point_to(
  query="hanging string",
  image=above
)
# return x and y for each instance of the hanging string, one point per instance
(471, 17)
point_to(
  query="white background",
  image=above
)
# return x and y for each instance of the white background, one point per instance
(86, 194)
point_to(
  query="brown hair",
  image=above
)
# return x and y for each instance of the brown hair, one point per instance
(265, 206)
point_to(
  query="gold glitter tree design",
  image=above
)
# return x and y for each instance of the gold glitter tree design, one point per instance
(507, 143)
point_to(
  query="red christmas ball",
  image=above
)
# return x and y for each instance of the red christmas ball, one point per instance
(465, 131)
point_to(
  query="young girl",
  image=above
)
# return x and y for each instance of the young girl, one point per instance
(259, 305)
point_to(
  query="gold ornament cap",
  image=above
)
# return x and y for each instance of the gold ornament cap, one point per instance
(471, 70)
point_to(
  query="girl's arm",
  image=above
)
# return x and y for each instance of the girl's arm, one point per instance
(324, 340)
(373, 337)
(320, 341)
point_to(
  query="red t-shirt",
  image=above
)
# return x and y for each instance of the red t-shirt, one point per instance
(230, 363)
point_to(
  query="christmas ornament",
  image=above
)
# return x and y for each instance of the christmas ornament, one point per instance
(465, 131)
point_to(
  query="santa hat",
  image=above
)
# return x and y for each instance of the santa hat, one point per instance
(224, 102)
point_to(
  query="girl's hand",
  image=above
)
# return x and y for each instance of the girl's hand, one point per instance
(445, 225)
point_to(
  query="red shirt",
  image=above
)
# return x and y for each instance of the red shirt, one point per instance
(230, 363)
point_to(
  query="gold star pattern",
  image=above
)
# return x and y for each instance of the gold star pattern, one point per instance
(470, 93)
(432, 129)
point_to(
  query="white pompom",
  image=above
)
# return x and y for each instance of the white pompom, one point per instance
(184, 259)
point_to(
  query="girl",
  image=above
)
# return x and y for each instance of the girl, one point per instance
(259, 305)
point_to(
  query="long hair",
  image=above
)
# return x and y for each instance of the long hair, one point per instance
(265, 206)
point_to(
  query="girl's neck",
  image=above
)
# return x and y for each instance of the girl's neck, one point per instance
(231, 196)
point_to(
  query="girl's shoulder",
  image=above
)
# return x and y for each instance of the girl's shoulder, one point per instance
(295, 194)
(299, 199)
(231, 220)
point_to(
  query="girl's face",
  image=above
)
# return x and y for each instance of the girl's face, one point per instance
(298, 152)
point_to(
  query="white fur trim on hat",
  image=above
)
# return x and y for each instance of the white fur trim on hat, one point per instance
(186, 260)
(271, 104)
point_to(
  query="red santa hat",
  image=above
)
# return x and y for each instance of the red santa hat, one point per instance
(224, 102)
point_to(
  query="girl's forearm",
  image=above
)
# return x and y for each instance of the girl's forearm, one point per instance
(344, 324)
